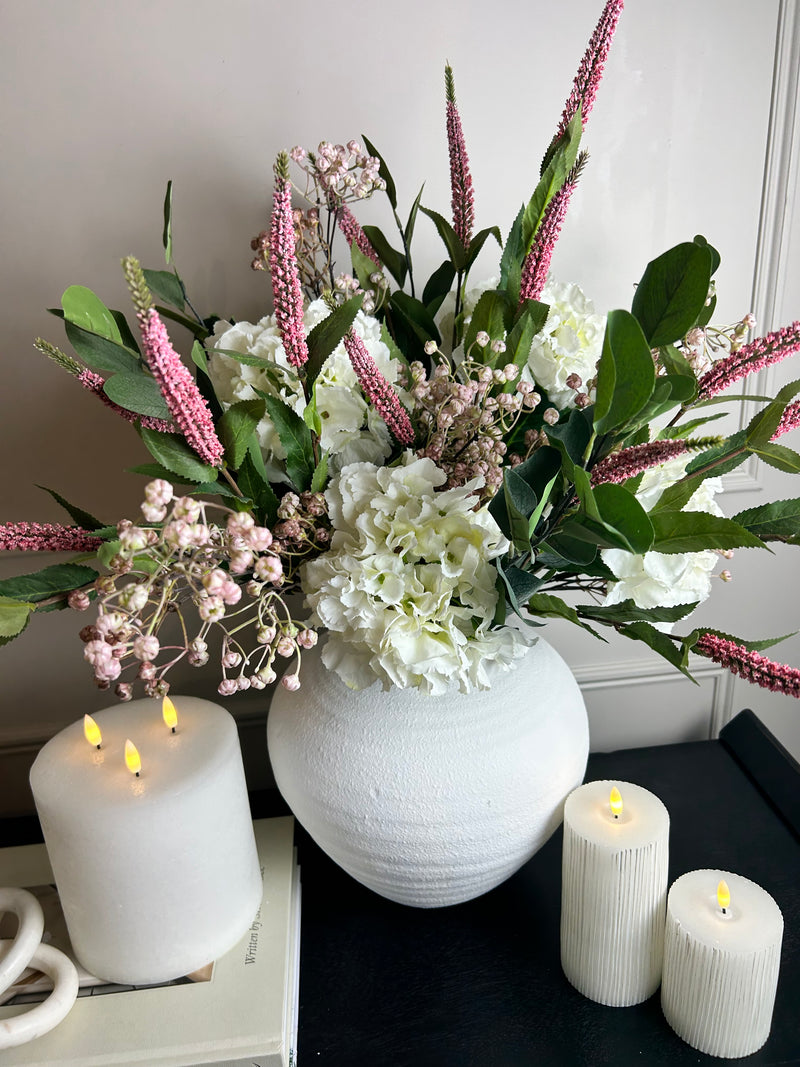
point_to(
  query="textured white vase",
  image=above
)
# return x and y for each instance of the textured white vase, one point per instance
(431, 800)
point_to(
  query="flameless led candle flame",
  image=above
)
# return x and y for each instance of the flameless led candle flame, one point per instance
(721, 957)
(91, 731)
(115, 842)
(169, 713)
(614, 890)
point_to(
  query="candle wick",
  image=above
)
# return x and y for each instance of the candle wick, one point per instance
(616, 816)
(173, 729)
(137, 774)
(98, 747)
(724, 911)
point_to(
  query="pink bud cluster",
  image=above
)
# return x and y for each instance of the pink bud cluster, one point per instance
(46, 537)
(751, 666)
(377, 390)
(354, 234)
(790, 420)
(341, 173)
(536, 266)
(466, 414)
(628, 462)
(461, 189)
(703, 346)
(198, 575)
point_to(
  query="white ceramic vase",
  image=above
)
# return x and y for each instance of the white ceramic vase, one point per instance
(431, 800)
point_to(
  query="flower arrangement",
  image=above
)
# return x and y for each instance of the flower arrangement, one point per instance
(421, 462)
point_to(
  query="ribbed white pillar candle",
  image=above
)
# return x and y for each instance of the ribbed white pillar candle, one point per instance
(721, 969)
(613, 896)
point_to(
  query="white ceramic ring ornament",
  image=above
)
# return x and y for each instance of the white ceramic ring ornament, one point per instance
(26, 951)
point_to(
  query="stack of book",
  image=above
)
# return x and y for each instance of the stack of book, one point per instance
(240, 1012)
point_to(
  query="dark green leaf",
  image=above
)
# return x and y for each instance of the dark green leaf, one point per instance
(88, 311)
(625, 374)
(751, 646)
(197, 329)
(199, 357)
(722, 459)
(327, 335)
(166, 287)
(100, 355)
(520, 501)
(518, 586)
(489, 315)
(172, 451)
(511, 260)
(659, 642)
(438, 286)
(455, 249)
(394, 261)
(50, 581)
(539, 468)
(78, 515)
(780, 457)
(572, 436)
(138, 393)
(777, 521)
(408, 232)
(167, 235)
(553, 607)
(383, 171)
(529, 321)
(695, 531)
(715, 256)
(364, 267)
(570, 549)
(478, 241)
(125, 331)
(254, 483)
(553, 177)
(672, 293)
(236, 427)
(416, 315)
(295, 437)
(621, 511)
(764, 424)
(627, 611)
(320, 478)
(157, 470)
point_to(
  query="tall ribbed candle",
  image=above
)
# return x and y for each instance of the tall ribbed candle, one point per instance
(614, 889)
(721, 964)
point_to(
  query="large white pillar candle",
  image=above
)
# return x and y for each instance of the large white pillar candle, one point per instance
(614, 888)
(158, 873)
(721, 960)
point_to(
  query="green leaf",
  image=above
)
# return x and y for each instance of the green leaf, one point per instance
(383, 171)
(125, 331)
(50, 581)
(536, 514)
(561, 549)
(520, 503)
(553, 177)
(722, 459)
(779, 456)
(166, 287)
(530, 319)
(777, 521)
(199, 357)
(539, 469)
(197, 329)
(438, 286)
(573, 436)
(622, 512)
(672, 293)
(511, 260)
(684, 429)
(167, 234)
(478, 240)
(320, 478)
(172, 452)
(295, 437)
(408, 232)
(625, 374)
(751, 646)
(157, 470)
(138, 393)
(100, 355)
(489, 315)
(764, 424)
(695, 531)
(455, 249)
(548, 606)
(88, 311)
(256, 486)
(328, 333)
(14, 615)
(416, 316)
(628, 611)
(364, 268)
(78, 515)
(394, 261)
(236, 427)
(518, 585)
(659, 642)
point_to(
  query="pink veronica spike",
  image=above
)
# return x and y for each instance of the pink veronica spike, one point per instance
(354, 234)
(751, 666)
(537, 262)
(628, 462)
(590, 71)
(790, 420)
(46, 537)
(462, 196)
(763, 352)
(377, 390)
(288, 295)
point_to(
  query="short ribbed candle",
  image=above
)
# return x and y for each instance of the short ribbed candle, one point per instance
(721, 969)
(613, 895)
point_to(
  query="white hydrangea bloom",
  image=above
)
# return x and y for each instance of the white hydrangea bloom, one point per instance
(570, 342)
(350, 429)
(407, 591)
(659, 579)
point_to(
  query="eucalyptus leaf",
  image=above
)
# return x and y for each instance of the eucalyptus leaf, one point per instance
(166, 287)
(83, 308)
(100, 355)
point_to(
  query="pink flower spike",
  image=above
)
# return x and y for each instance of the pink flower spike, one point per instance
(590, 72)
(790, 420)
(462, 196)
(46, 537)
(288, 295)
(628, 462)
(354, 235)
(537, 262)
(94, 383)
(377, 390)
(184, 399)
(753, 357)
(751, 666)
